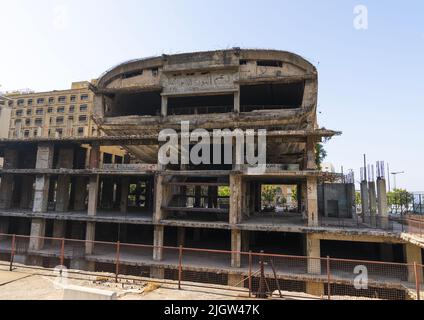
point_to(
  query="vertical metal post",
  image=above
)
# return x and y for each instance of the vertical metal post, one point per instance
(250, 273)
(12, 252)
(62, 252)
(180, 267)
(417, 280)
(261, 293)
(118, 248)
(328, 278)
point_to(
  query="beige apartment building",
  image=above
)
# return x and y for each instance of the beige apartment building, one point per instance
(58, 113)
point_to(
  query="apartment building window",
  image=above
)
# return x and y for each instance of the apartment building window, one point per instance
(155, 72)
(49, 110)
(26, 133)
(29, 112)
(71, 119)
(18, 121)
(21, 102)
(51, 100)
(71, 109)
(27, 122)
(10, 103)
(83, 108)
(80, 131)
(19, 113)
(62, 99)
(59, 132)
(51, 120)
(40, 100)
(30, 101)
(82, 118)
(73, 98)
(84, 97)
(60, 109)
(38, 121)
(39, 111)
(59, 120)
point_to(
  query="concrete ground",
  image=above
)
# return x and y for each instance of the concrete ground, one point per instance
(44, 284)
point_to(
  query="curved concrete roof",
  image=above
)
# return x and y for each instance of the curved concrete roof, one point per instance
(228, 58)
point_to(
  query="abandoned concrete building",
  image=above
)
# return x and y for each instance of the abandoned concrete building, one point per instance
(64, 188)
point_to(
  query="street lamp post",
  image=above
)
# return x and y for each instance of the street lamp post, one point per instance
(394, 177)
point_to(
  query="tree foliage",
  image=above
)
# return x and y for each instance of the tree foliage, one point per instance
(399, 197)
(321, 154)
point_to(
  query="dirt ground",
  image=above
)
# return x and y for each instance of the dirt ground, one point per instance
(43, 284)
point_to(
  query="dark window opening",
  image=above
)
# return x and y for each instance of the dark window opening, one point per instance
(201, 104)
(136, 104)
(243, 62)
(271, 96)
(132, 74)
(270, 63)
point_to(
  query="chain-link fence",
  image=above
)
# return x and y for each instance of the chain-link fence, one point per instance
(256, 275)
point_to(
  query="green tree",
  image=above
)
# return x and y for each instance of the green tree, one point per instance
(321, 154)
(399, 197)
(358, 199)
(268, 196)
(224, 191)
(294, 194)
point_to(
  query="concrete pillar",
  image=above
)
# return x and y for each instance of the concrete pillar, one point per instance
(235, 198)
(38, 229)
(181, 236)
(157, 273)
(158, 243)
(94, 160)
(413, 255)
(90, 235)
(315, 288)
(313, 250)
(312, 201)
(164, 106)
(163, 194)
(372, 198)
(27, 192)
(236, 280)
(236, 248)
(66, 160)
(310, 158)
(125, 188)
(42, 182)
(365, 198)
(80, 193)
(382, 197)
(237, 101)
(93, 195)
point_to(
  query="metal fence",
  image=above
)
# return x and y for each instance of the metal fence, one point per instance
(255, 275)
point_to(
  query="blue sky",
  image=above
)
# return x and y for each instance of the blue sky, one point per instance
(371, 83)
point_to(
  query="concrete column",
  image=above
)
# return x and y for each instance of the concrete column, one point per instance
(310, 158)
(236, 280)
(313, 250)
(236, 248)
(382, 197)
(158, 243)
(312, 201)
(93, 195)
(90, 235)
(365, 198)
(235, 198)
(66, 159)
(372, 198)
(125, 188)
(413, 255)
(80, 193)
(94, 160)
(42, 182)
(164, 106)
(237, 101)
(27, 191)
(181, 236)
(38, 229)
(315, 288)
(163, 194)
